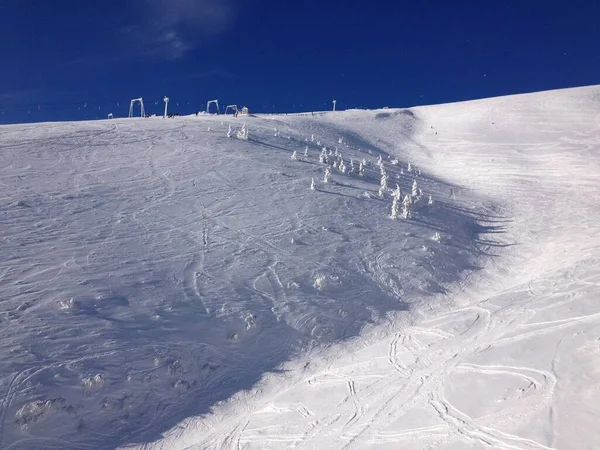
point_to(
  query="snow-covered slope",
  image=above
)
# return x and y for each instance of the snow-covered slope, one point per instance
(156, 270)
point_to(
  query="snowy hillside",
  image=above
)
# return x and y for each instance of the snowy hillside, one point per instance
(158, 271)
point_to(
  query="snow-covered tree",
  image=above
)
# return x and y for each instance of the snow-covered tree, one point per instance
(351, 165)
(295, 155)
(323, 156)
(397, 195)
(379, 161)
(407, 204)
(342, 166)
(430, 201)
(409, 168)
(415, 189)
(384, 179)
(312, 138)
(384, 183)
(361, 169)
(229, 131)
(395, 208)
(306, 151)
(327, 177)
(312, 184)
(437, 237)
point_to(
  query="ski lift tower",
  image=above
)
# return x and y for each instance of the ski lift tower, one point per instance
(210, 102)
(166, 100)
(334, 102)
(141, 102)
(234, 108)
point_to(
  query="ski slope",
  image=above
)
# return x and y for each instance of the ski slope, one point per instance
(166, 286)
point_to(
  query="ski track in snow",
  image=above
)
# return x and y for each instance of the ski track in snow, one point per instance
(503, 355)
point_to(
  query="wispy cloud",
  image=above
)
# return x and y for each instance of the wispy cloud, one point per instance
(169, 29)
(144, 42)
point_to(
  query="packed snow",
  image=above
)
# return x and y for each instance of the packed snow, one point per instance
(406, 279)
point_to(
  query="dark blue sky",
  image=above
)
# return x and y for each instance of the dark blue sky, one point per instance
(75, 59)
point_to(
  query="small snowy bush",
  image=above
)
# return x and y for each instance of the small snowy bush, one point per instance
(243, 133)
(95, 381)
(320, 282)
(251, 321)
(436, 237)
(295, 155)
(33, 411)
(67, 304)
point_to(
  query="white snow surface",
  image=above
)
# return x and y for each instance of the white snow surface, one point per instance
(163, 286)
